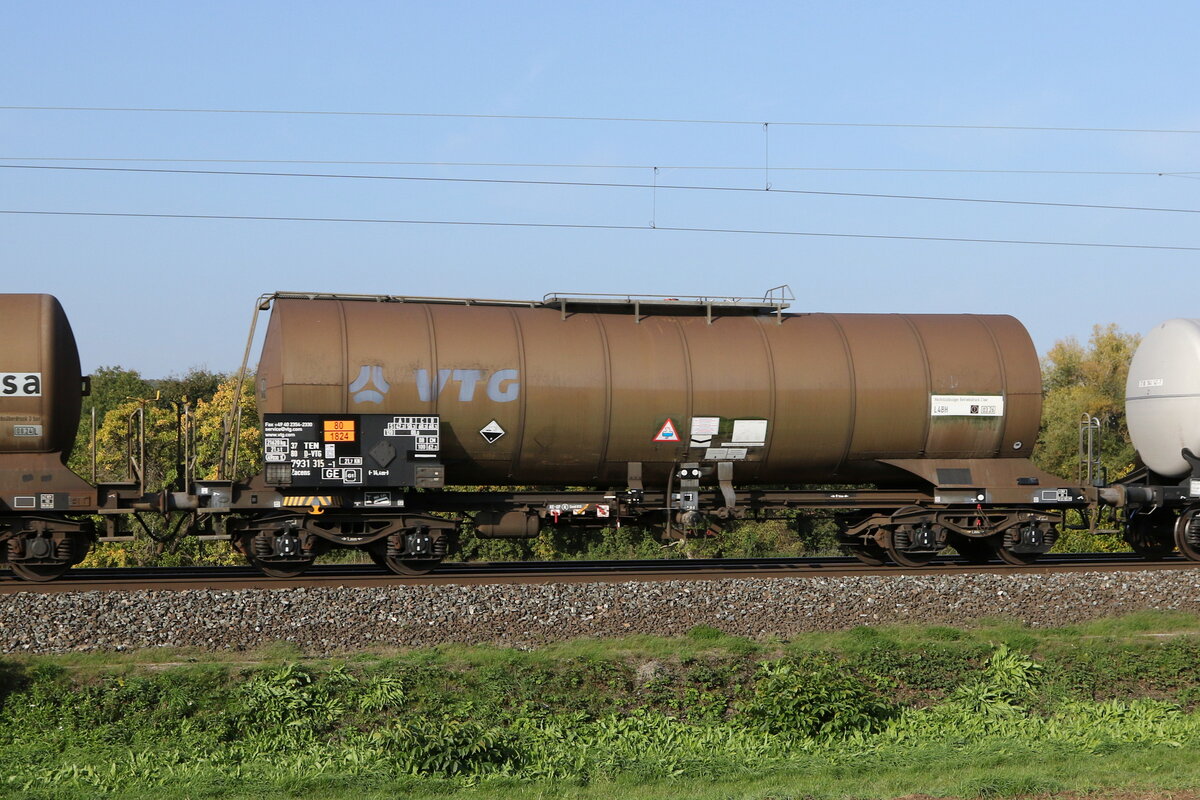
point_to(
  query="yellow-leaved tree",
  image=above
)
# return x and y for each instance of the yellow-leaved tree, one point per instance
(117, 450)
(1079, 380)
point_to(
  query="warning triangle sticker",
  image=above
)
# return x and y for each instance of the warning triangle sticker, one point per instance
(667, 432)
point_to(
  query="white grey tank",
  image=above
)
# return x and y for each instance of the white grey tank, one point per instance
(1162, 396)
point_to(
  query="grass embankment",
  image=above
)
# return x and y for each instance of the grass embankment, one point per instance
(996, 710)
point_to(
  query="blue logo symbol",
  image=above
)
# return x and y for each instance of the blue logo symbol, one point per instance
(370, 386)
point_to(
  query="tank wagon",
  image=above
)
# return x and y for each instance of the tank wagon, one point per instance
(389, 422)
(387, 418)
(44, 527)
(1162, 407)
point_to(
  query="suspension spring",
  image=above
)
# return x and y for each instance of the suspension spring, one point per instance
(262, 546)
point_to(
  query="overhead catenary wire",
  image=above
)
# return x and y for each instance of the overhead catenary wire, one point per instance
(578, 118)
(583, 226)
(654, 187)
(533, 165)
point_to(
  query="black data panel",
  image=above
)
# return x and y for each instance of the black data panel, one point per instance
(350, 450)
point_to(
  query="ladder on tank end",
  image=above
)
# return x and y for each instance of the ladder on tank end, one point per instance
(1090, 471)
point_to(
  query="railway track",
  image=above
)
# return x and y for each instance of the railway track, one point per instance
(183, 578)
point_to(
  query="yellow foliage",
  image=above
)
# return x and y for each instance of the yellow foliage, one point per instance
(1091, 381)
(210, 419)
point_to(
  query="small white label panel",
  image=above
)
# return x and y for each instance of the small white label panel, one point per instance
(966, 405)
(725, 454)
(1194, 488)
(27, 430)
(20, 384)
(703, 430)
(1150, 383)
(749, 432)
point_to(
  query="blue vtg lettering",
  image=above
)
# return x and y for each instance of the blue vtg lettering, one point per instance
(501, 386)
(20, 384)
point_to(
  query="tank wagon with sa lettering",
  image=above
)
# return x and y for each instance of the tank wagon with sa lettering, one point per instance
(46, 522)
(388, 422)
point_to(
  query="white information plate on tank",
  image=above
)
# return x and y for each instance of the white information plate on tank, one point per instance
(703, 430)
(20, 384)
(966, 405)
(748, 433)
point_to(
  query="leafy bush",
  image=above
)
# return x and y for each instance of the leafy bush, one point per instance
(813, 697)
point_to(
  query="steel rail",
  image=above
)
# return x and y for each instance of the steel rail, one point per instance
(535, 572)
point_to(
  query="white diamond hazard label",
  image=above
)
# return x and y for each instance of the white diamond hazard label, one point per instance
(492, 431)
(667, 432)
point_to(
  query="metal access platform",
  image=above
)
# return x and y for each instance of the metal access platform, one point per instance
(772, 301)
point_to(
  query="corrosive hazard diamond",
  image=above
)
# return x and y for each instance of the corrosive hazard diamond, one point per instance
(492, 431)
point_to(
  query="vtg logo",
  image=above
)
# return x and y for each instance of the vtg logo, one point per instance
(20, 384)
(503, 385)
(370, 386)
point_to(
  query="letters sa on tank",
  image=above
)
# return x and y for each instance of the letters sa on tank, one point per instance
(20, 384)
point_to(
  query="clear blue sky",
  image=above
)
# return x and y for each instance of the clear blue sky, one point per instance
(163, 295)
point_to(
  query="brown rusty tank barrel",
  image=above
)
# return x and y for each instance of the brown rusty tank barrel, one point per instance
(534, 395)
(40, 383)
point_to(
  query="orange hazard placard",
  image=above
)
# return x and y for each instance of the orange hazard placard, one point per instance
(339, 430)
(667, 432)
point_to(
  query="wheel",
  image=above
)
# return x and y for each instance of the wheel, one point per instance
(1009, 557)
(281, 569)
(1187, 534)
(404, 566)
(870, 554)
(974, 551)
(411, 566)
(903, 558)
(1150, 535)
(38, 573)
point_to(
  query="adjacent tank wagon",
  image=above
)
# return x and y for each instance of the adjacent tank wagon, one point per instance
(1162, 406)
(41, 391)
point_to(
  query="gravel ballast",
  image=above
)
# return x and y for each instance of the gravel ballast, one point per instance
(329, 620)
